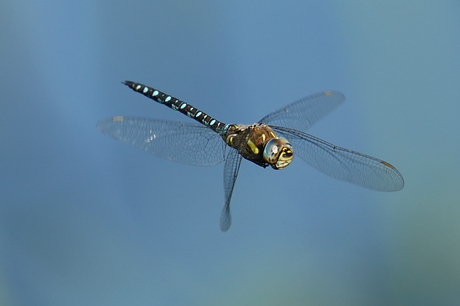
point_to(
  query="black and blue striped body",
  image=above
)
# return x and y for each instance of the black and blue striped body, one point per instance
(178, 105)
(248, 140)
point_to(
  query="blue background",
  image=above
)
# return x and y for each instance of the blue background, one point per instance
(86, 220)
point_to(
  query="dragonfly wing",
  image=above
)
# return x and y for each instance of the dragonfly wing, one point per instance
(343, 164)
(303, 113)
(187, 143)
(231, 168)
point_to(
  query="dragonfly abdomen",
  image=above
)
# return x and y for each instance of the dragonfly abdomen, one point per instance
(178, 105)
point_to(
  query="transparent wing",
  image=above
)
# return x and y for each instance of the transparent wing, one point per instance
(187, 143)
(231, 168)
(302, 114)
(343, 164)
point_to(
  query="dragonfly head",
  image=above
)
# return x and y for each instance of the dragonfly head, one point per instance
(278, 153)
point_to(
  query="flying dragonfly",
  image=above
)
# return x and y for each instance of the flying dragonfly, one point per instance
(273, 141)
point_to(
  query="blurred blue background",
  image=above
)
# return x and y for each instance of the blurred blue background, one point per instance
(87, 220)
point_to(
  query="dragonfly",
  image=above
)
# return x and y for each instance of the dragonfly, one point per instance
(273, 141)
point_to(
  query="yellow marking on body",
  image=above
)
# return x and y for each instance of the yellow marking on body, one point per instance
(253, 147)
(263, 137)
(387, 164)
(328, 93)
(230, 140)
(273, 134)
(287, 153)
(118, 118)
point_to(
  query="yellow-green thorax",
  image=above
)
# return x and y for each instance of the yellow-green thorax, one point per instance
(259, 144)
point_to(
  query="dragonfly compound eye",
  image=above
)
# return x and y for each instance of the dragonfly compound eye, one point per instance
(278, 153)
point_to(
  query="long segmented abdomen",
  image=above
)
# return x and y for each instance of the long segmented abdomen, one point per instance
(178, 105)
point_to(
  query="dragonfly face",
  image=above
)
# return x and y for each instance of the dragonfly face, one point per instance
(278, 153)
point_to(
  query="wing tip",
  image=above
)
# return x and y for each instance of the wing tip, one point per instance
(225, 219)
(329, 92)
(399, 182)
(118, 118)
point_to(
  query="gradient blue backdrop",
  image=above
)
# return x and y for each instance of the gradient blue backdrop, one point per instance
(86, 220)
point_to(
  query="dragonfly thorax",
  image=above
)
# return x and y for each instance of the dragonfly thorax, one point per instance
(260, 144)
